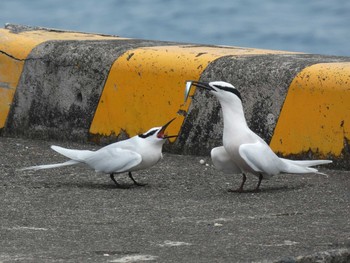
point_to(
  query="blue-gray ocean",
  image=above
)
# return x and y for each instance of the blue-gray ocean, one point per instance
(311, 26)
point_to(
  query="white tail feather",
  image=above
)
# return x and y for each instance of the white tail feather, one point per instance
(307, 163)
(303, 166)
(49, 166)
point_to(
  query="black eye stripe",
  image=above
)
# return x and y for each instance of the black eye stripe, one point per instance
(147, 134)
(234, 91)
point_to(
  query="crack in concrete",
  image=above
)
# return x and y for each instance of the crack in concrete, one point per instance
(17, 59)
(11, 56)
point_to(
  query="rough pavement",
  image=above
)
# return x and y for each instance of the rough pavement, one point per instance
(184, 214)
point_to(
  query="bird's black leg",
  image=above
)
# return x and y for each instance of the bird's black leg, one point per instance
(260, 179)
(240, 189)
(136, 183)
(115, 181)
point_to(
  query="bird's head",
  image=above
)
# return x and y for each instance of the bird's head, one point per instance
(157, 134)
(220, 89)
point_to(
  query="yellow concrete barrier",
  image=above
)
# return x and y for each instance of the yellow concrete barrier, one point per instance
(96, 87)
(316, 113)
(14, 49)
(146, 86)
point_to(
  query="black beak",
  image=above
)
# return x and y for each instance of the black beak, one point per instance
(161, 134)
(202, 85)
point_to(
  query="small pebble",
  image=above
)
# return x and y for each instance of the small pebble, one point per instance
(202, 161)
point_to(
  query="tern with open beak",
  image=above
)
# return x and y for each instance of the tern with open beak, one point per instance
(136, 153)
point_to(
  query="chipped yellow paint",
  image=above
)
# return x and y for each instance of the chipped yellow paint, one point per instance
(14, 48)
(316, 112)
(145, 86)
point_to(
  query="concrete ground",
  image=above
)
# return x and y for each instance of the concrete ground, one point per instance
(184, 214)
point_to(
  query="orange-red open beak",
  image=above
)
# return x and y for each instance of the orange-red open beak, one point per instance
(162, 135)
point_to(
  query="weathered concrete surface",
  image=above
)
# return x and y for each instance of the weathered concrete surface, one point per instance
(263, 82)
(184, 214)
(60, 87)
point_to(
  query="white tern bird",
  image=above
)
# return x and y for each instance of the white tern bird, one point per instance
(137, 153)
(243, 151)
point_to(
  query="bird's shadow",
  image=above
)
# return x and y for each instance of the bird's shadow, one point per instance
(90, 185)
(269, 190)
(130, 186)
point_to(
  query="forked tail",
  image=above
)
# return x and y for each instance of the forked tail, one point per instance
(303, 166)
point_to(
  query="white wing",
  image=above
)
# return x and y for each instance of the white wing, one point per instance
(223, 162)
(77, 155)
(113, 160)
(261, 158)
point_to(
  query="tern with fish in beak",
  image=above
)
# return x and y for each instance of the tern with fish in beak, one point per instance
(243, 151)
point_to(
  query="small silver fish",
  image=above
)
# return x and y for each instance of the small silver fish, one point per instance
(188, 89)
